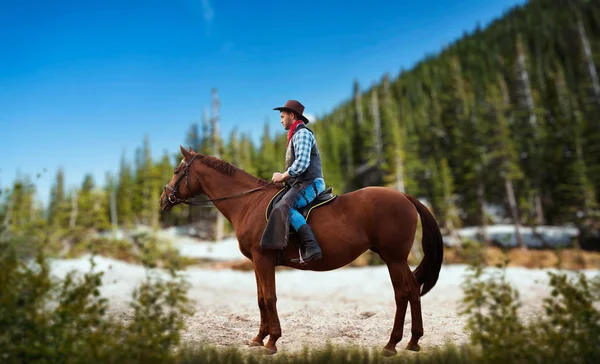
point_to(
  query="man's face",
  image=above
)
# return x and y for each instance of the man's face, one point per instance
(287, 119)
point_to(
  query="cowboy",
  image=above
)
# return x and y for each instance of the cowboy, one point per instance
(303, 166)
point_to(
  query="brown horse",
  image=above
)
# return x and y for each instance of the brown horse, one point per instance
(377, 218)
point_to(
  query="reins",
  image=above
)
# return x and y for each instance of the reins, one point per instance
(174, 199)
(200, 203)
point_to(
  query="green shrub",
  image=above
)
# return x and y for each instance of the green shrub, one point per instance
(471, 251)
(49, 320)
(567, 332)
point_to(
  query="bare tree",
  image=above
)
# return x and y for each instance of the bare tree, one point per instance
(219, 224)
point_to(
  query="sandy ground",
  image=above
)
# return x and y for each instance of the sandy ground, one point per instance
(349, 306)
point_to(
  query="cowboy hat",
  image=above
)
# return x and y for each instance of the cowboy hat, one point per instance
(295, 107)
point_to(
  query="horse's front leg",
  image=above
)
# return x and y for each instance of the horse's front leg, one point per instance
(264, 266)
(264, 317)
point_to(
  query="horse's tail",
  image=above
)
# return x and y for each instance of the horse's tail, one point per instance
(428, 272)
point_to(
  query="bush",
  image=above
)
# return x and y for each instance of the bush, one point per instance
(44, 319)
(471, 252)
(569, 332)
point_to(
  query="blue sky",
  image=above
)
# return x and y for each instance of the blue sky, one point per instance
(81, 82)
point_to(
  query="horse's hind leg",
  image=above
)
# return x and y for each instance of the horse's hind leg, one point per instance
(399, 282)
(415, 313)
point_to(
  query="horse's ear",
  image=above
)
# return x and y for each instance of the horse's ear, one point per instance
(186, 154)
(192, 150)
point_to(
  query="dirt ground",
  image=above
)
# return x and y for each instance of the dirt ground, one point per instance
(350, 306)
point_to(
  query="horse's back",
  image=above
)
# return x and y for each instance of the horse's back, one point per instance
(375, 196)
(371, 205)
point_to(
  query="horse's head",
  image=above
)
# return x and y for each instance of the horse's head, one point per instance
(175, 191)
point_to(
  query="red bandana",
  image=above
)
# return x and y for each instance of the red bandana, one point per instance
(292, 128)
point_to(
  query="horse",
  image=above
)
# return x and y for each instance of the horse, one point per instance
(378, 218)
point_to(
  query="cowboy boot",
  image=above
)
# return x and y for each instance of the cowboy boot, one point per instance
(308, 243)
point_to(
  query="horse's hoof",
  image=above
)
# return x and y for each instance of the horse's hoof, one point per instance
(413, 347)
(268, 351)
(387, 352)
(253, 343)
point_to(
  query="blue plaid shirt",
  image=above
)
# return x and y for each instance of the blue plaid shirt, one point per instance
(303, 141)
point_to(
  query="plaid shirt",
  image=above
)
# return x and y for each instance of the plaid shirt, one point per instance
(303, 142)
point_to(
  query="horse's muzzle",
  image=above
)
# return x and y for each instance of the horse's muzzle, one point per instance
(165, 203)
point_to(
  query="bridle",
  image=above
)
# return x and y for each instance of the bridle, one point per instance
(174, 199)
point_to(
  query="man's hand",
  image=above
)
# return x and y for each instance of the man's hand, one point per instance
(279, 177)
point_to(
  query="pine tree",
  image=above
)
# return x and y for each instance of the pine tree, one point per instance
(572, 190)
(110, 191)
(532, 133)
(587, 51)
(394, 138)
(268, 161)
(57, 198)
(248, 156)
(502, 151)
(90, 212)
(375, 144)
(328, 136)
(125, 194)
(233, 150)
(193, 138)
(358, 128)
(22, 209)
(146, 179)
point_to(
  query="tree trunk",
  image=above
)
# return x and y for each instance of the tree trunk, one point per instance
(589, 59)
(220, 222)
(587, 190)
(539, 208)
(481, 200)
(396, 129)
(400, 173)
(524, 78)
(376, 125)
(358, 105)
(512, 202)
(113, 210)
(206, 136)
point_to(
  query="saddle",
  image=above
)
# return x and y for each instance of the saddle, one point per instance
(322, 198)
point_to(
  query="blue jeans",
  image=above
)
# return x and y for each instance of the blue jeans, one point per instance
(309, 192)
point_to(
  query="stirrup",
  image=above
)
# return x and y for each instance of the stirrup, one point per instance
(300, 260)
(300, 256)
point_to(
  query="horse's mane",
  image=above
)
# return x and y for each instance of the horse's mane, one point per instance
(227, 168)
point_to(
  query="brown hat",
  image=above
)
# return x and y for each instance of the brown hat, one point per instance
(295, 107)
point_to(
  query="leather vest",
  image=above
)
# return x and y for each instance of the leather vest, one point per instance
(314, 169)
